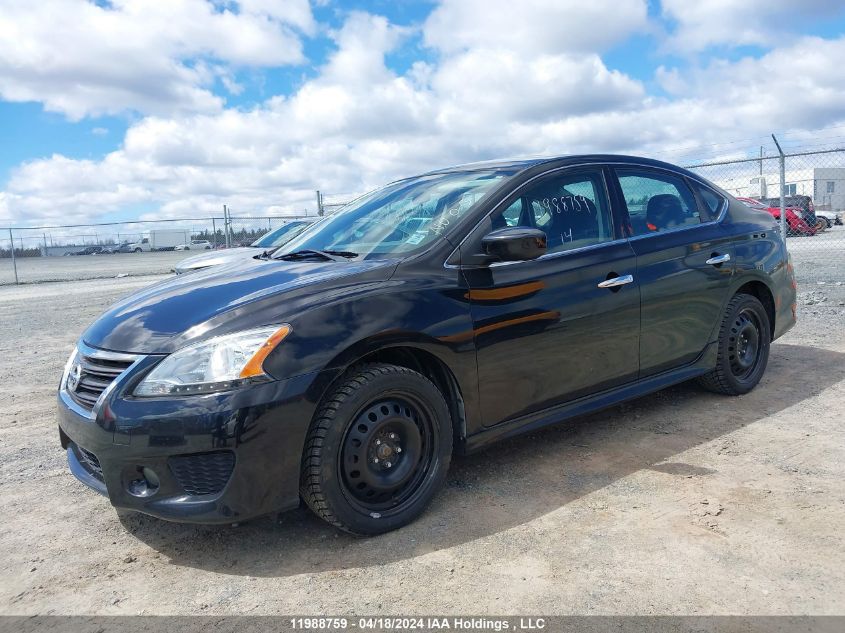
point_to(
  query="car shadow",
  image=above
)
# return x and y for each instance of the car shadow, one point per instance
(510, 483)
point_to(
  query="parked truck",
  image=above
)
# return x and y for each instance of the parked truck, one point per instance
(158, 240)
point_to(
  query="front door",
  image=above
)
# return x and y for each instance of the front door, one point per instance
(557, 328)
(683, 264)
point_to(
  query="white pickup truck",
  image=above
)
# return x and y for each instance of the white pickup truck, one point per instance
(830, 217)
(158, 240)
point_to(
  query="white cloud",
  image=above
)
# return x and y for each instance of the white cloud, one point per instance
(82, 59)
(533, 26)
(797, 85)
(703, 23)
(358, 124)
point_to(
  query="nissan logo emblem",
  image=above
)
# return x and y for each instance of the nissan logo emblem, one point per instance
(74, 377)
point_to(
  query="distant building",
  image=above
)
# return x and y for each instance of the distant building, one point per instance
(826, 185)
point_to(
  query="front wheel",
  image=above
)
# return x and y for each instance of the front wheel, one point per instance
(377, 451)
(743, 347)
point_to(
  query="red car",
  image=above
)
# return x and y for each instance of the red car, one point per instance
(795, 225)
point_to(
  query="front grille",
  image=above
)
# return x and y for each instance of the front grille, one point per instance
(204, 473)
(93, 372)
(89, 462)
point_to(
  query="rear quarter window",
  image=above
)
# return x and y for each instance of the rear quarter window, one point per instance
(712, 203)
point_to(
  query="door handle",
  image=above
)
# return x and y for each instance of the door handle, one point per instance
(617, 281)
(719, 259)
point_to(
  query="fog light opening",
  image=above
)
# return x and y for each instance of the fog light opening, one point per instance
(145, 484)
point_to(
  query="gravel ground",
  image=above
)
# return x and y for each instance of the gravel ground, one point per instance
(682, 502)
(41, 269)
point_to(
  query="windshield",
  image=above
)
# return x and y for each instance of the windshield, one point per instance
(280, 235)
(400, 218)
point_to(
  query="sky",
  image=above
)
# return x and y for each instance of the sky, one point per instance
(139, 109)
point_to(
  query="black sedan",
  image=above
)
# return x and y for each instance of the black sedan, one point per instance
(432, 316)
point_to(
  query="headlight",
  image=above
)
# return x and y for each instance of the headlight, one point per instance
(218, 364)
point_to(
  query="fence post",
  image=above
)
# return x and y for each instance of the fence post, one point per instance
(782, 161)
(44, 235)
(319, 203)
(214, 232)
(14, 262)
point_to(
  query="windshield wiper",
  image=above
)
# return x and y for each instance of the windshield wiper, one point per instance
(334, 256)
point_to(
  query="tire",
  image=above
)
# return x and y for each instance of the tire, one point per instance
(821, 224)
(743, 348)
(377, 451)
(828, 223)
(137, 250)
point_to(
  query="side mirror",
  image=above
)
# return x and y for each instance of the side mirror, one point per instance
(515, 244)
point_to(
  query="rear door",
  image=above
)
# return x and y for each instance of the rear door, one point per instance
(684, 263)
(553, 329)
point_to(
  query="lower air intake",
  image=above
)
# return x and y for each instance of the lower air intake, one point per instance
(203, 473)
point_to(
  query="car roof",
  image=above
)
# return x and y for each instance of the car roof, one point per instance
(522, 164)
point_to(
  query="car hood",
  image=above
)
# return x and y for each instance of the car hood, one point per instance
(215, 258)
(189, 308)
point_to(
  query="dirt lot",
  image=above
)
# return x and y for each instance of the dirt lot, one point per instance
(682, 502)
(40, 269)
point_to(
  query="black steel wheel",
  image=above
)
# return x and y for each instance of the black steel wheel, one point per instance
(378, 450)
(387, 453)
(744, 343)
(743, 347)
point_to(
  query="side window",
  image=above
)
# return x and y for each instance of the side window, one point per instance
(657, 201)
(513, 213)
(571, 209)
(712, 203)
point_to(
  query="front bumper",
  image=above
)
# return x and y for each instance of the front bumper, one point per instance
(215, 458)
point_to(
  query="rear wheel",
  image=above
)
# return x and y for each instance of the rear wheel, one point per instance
(137, 250)
(377, 451)
(744, 340)
(821, 224)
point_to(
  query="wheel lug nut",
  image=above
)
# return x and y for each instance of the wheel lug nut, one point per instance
(378, 442)
(398, 449)
(375, 461)
(387, 464)
(393, 436)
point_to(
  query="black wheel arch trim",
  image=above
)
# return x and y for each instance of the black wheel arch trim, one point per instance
(457, 380)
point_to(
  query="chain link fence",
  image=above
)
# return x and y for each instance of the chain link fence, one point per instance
(810, 187)
(118, 249)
